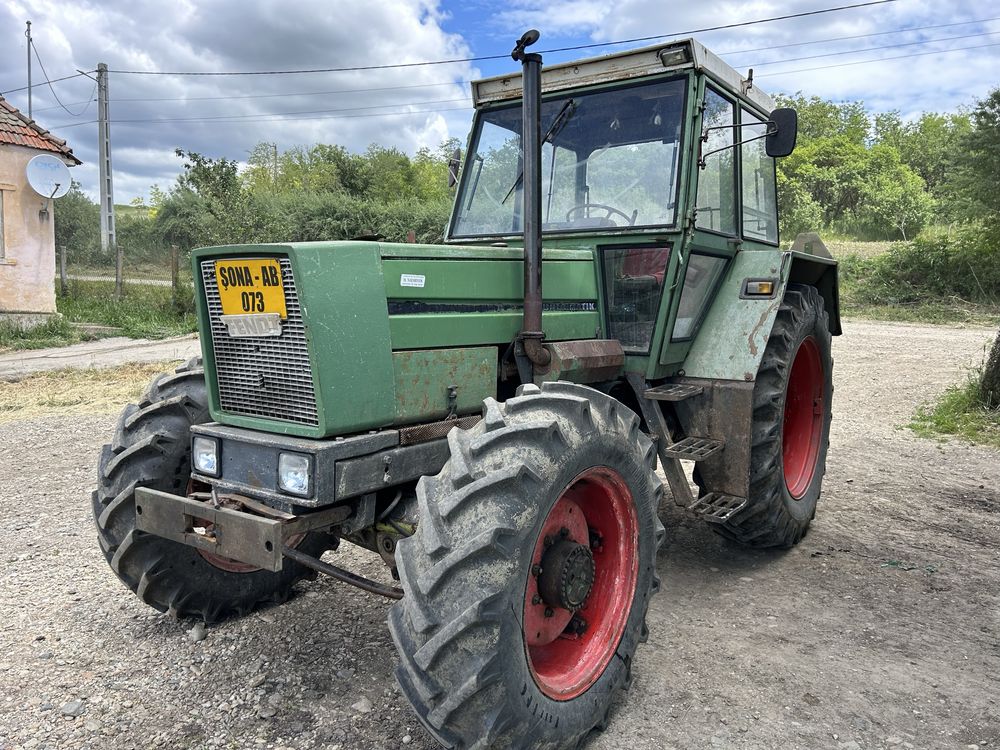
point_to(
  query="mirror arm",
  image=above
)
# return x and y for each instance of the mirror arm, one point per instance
(703, 157)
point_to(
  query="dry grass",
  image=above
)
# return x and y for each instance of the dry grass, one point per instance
(70, 392)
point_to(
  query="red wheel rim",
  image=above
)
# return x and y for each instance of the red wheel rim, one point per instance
(803, 421)
(597, 510)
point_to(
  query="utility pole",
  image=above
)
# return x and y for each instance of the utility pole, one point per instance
(104, 160)
(28, 35)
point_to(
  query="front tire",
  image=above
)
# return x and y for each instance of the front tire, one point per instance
(152, 448)
(550, 478)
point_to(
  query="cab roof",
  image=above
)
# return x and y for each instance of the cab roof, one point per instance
(622, 66)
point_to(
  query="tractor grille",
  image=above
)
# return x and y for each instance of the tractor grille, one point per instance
(268, 377)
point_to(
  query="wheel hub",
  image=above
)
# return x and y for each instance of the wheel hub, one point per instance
(567, 575)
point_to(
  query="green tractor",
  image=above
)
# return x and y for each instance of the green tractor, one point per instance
(495, 444)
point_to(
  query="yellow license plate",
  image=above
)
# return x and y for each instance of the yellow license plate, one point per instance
(250, 286)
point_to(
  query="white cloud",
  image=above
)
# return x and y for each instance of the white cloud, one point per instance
(395, 107)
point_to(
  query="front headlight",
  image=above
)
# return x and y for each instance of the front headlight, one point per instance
(295, 474)
(205, 455)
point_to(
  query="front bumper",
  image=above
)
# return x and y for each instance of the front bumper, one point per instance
(254, 538)
(342, 468)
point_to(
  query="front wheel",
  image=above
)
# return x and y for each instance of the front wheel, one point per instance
(529, 577)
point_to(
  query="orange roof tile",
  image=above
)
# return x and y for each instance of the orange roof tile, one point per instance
(18, 130)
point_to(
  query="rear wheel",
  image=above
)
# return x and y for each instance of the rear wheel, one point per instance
(791, 425)
(151, 448)
(528, 579)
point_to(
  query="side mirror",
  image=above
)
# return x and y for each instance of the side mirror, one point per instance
(454, 163)
(783, 127)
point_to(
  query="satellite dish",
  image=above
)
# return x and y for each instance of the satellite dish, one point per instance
(48, 176)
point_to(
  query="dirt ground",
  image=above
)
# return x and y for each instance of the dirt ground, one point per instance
(881, 629)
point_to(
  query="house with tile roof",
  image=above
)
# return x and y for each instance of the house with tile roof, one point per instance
(27, 235)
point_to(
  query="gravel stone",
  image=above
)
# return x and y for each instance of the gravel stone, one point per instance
(888, 495)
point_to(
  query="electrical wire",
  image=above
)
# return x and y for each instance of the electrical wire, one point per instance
(289, 119)
(480, 58)
(873, 49)
(286, 118)
(463, 81)
(857, 36)
(55, 96)
(876, 60)
(47, 82)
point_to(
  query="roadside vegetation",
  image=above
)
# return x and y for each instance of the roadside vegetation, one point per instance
(970, 410)
(74, 392)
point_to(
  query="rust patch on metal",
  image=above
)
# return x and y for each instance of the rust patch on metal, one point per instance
(589, 360)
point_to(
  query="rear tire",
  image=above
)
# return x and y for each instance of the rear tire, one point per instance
(467, 666)
(151, 448)
(790, 433)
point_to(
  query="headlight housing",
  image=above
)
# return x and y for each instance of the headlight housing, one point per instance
(295, 474)
(205, 455)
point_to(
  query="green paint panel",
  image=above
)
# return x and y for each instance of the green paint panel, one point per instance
(342, 295)
(480, 252)
(432, 330)
(495, 280)
(731, 341)
(422, 379)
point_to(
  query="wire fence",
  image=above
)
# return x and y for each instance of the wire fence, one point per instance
(168, 268)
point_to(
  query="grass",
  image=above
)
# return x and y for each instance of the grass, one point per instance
(959, 412)
(55, 332)
(76, 392)
(144, 311)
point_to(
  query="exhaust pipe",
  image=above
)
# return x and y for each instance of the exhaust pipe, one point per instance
(532, 335)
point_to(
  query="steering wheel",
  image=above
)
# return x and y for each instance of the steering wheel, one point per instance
(611, 210)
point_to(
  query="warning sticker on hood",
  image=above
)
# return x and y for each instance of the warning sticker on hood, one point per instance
(412, 279)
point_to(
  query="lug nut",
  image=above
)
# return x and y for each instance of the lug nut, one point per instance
(564, 532)
(536, 570)
(536, 599)
(548, 541)
(549, 612)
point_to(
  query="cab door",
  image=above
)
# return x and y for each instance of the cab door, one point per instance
(714, 237)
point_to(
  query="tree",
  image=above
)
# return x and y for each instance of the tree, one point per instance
(989, 384)
(979, 163)
(78, 224)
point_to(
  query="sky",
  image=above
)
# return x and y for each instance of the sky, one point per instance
(916, 68)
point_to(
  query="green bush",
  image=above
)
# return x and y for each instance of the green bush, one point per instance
(964, 263)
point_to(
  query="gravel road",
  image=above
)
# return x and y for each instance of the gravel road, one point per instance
(881, 629)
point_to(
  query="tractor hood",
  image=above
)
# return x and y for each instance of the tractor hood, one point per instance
(332, 338)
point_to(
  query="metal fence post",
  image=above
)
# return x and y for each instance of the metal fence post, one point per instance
(119, 269)
(62, 270)
(174, 273)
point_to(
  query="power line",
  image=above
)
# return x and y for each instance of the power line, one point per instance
(873, 49)
(464, 81)
(49, 82)
(288, 114)
(55, 96)
(878, 60)
(858, 36)
(452, 61)
(288, 119)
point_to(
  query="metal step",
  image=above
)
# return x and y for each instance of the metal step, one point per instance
(673, 392)
(716, 507)
(694, 448)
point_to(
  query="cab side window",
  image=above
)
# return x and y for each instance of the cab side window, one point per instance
(717, 180)
(760, 202)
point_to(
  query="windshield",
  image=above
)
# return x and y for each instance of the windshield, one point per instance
(609, 159)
